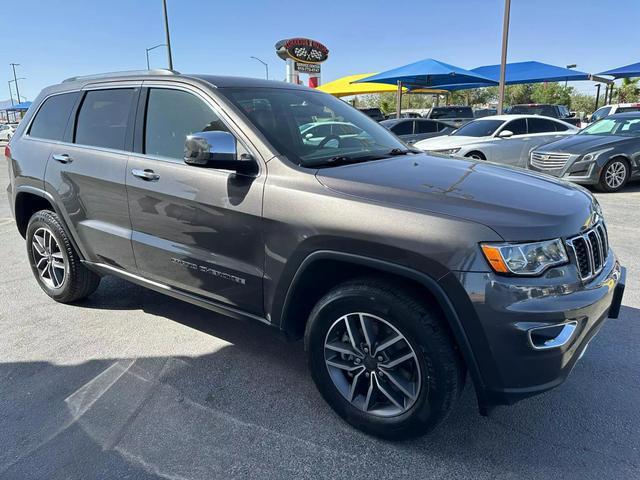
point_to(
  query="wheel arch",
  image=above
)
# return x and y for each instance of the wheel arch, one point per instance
(29, 200)
(299, 302)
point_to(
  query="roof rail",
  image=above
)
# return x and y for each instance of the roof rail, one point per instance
(98, 76)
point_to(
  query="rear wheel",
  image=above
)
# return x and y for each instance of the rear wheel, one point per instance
(382, 359)
(476, 155)
(54, 261)
(614, 175)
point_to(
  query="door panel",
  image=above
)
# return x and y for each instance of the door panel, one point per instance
(92, 190)
(194, 228)
(89, 180)
(199, 229)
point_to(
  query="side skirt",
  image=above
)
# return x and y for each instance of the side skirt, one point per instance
(228, 311)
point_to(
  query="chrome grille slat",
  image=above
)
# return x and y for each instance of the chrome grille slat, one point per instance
(549, 161)
(590, 250)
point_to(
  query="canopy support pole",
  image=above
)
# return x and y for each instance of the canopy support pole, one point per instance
(503, 60)
(399, 99)
(597, 96)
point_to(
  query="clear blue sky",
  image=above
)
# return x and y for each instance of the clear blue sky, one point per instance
(58, 39)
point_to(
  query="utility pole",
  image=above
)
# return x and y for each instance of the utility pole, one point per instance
(11, 93)
(15, 79)
(503, 60)
(166, 31)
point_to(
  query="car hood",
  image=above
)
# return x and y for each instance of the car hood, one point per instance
(580, 144)
(447, 141)
(517, 204)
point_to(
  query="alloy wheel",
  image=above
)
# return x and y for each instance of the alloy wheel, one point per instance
(615, 175)
(48, 258)
(372, 364)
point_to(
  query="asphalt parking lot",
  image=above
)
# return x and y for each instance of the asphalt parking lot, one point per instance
(133, 384)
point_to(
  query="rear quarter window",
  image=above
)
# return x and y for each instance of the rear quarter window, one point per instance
(52, 117)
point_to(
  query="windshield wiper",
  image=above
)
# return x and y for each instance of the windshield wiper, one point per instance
(346, 160)
(400, 151)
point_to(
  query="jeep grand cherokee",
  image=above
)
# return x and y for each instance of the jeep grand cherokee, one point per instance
(402, 271)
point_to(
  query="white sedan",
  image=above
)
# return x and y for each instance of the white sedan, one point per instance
(504, 139)
(6, 131)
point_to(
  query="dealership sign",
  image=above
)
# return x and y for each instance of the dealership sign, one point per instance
(302, 50)
(307, 67)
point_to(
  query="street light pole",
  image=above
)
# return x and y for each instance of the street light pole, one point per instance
(166, 31)
(15, 79)
(152, 48)
(573, 65)
(266, 67)
(503, 60)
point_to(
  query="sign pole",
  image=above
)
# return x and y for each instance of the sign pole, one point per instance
(399, 99)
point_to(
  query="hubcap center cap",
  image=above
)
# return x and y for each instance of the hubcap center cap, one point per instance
(370, 363)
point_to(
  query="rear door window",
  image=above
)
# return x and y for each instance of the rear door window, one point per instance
(541, 125)
(403, 128)
(426, 127)
(104, 117)
(51, 119)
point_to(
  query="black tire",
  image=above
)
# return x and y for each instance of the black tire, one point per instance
(425, 331)
(476, 155)
(610, 180)
(77, 281)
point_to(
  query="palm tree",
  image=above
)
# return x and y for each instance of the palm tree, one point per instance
(629, 91)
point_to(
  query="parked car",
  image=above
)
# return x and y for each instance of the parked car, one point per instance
(504, 139)
(403, 272)
(316, 132)
(374, 113)
(392, 115)
(560, 112)
(484, 112)
(6, 131)
(455, 115)
(613, 109)
(413, 130)
(605, 154)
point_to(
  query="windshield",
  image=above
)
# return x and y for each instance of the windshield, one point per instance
(314, 129)
(545, 110)
(479, 128)
(628, 127)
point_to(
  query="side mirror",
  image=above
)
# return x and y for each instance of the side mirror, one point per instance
(505, 134)
(216, 149)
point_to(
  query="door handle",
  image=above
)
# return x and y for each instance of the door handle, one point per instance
(146, 174)
(62, 158)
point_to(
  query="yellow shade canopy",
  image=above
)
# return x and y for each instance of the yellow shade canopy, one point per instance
(343, 87)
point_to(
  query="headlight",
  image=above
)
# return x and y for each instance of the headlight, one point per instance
(589, 157)
(447, 151)
(525, 258)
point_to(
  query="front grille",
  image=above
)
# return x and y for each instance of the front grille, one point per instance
(549, 161)
(591, 250)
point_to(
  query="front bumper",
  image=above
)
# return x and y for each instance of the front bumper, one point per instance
(583, 173)
(508, 309)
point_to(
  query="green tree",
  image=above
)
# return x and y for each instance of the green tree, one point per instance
(551, 92)
(581, 102)
(628, 91)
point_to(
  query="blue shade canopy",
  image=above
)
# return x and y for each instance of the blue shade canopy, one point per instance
(627, 71)
(531, 72)
(427, 73)
(19, 106)
(459, 86)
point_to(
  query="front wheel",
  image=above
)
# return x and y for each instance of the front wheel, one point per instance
(614, 175)
(382, 359)
(476, 155)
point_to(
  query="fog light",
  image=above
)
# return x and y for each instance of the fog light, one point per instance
(552, 336)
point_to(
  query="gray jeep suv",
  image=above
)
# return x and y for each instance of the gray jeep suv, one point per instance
(402, 271)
